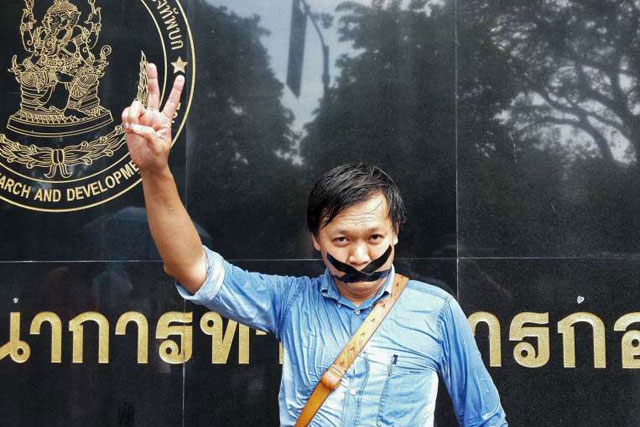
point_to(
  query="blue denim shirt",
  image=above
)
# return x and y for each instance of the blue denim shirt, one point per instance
(394, 381)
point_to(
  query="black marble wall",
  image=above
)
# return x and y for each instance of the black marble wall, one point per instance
(511, 128)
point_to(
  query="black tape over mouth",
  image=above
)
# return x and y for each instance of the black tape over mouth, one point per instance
(367, 274)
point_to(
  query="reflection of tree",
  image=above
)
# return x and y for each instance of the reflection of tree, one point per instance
(537, 80)
(510, 196)
(576, 63)
(393, 106)
(239, 137)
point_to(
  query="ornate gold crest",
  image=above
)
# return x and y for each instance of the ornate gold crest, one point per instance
(62, 136)
(61, 55)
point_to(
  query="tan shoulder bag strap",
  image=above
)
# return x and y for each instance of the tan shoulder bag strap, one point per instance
(331, 378)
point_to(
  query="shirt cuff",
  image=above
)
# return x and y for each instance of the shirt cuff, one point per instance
(212, 283)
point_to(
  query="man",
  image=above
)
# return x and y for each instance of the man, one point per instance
(354, 216)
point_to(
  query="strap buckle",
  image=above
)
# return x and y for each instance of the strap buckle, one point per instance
(332, 376)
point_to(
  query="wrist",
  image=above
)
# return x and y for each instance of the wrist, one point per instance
(161, 173)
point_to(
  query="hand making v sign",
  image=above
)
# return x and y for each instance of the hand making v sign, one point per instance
(149, 129)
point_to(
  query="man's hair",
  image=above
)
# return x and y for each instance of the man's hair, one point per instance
(347, 185)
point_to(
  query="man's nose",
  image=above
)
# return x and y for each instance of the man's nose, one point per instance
(359, 256)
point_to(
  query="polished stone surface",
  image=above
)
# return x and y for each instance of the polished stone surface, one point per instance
(510, 127)
(119, 392)
(547, 129)
(255, 150)
(557, 394)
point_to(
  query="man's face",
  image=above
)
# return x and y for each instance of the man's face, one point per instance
(357, 236)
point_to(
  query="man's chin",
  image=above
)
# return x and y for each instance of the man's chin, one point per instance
(361, 284)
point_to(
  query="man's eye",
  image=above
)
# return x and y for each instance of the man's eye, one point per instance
(376, 237)
(340, 239)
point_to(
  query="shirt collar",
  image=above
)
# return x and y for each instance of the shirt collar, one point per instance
(328, 289)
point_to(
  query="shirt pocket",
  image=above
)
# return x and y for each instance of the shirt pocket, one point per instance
(408, 394)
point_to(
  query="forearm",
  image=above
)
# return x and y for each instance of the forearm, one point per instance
(173, 231)
(149, 142)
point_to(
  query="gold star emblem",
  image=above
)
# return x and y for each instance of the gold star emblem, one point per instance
(179, 65)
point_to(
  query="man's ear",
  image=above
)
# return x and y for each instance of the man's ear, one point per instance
(396, 229)
(316, 244)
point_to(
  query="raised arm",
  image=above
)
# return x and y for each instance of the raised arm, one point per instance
(149, 142)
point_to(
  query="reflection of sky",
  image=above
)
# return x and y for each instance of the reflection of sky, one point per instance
(275, 16)
(572, 137)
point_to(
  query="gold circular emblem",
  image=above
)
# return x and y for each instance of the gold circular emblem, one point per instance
(78, 64)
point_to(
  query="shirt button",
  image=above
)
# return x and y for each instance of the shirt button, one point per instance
(357, 311)
(352, 392)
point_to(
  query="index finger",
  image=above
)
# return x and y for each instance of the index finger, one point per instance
(153, 103)
(174, 98)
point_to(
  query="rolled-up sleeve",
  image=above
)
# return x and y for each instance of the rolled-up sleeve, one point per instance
(253, 299)
(473, 393)
(212, 283)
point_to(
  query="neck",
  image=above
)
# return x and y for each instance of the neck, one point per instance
(359, 292)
